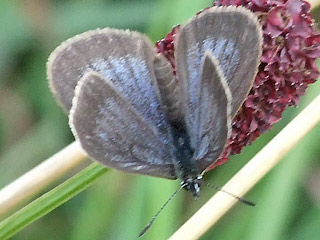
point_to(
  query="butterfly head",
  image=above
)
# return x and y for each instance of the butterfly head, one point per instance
(193, 184)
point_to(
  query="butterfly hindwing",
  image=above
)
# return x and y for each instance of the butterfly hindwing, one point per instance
(113, 133)
(213, 113)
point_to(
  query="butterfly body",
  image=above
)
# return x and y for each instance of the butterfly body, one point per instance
(186, 168)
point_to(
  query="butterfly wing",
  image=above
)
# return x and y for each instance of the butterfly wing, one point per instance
(125, 60)
(112, 132)
(233, 36)
(213, 114)
(123, 57)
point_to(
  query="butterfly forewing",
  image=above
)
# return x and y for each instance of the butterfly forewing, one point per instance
(113, 133)
(213, 113)
(124, 57)
(234, 37)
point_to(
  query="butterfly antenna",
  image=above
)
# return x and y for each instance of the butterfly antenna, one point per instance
(160, 210)
(240, 199)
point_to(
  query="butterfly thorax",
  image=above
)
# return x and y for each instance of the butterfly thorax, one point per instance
(186, 168)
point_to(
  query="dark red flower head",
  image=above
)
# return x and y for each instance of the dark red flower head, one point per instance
(290, 49)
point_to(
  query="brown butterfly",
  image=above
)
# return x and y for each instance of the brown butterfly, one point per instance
(130, 112)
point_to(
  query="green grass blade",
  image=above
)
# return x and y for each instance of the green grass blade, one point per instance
(50, 200)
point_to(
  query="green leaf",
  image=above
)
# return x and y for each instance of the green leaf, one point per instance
(50, 200)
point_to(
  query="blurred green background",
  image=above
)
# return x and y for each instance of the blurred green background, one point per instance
(119, 205)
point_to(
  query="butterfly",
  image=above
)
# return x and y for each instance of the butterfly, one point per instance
(128, 109)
